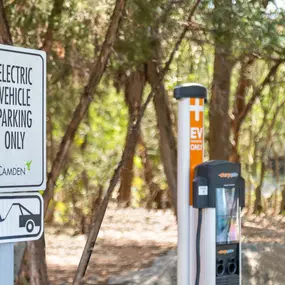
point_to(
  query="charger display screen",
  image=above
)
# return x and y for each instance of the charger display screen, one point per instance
(227, 215)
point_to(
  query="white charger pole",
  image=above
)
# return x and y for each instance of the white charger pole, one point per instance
(191, 99)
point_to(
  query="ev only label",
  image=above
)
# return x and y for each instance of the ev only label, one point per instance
(22, 119)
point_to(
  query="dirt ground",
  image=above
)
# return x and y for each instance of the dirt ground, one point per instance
(130, 239)
(263, 229)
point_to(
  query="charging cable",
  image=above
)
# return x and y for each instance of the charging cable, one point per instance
(198, 238)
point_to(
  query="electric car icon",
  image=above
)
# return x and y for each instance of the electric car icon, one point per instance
(27, 219)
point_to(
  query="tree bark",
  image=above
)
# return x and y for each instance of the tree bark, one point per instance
(239, 104)
(241, 110)
(153, 187)
(276, 169)
(219, 133)
(37, 262)
(258, 202)
(135, 83)
(167, 140)
(282, 205)
(23, 273)
(53, 24)
(5, 35)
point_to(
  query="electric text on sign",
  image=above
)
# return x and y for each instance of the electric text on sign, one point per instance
(22, 119)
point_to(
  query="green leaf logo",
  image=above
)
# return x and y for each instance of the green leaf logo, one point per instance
(28, 164)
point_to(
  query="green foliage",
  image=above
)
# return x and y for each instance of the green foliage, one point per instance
(246, 27)
(239, 28)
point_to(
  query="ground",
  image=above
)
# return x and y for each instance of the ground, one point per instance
(264, 229)
(131, 239)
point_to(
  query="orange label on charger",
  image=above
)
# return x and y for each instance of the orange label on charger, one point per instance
(196, 138)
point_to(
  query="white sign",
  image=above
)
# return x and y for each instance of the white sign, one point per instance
(22, 119)
(21, 217)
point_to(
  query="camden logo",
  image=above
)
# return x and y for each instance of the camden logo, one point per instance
(15, 171)
(28, 164)
(228, 175)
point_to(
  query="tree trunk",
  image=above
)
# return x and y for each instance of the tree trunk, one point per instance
(21, 264)
(85, 100)
(5, 35)
(241, 110)
(37, 262)
(219, 134)
(50, 157)
(239, 104)
(277, 169)
(167, 141)
(131, 142)
(153, 187)
(133, 96)
(49, 217)
(99, 216)
(258, 201)
(282, 205)
(38, 266)
(53, 24)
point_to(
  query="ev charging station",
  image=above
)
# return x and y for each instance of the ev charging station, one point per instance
(210, 197)
(218, 193)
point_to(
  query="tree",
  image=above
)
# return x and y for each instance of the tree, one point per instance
(219, 143)
(134, 88)
(37, 248)
(5, 35)
(241, 53)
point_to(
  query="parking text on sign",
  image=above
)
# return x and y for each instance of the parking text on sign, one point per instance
(22, 119)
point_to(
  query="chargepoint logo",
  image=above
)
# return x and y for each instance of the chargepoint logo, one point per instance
(225, 252)
(15, 171)
(228, 175)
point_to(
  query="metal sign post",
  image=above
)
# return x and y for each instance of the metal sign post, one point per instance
(190, 153)
(7, 264)
(22, 150)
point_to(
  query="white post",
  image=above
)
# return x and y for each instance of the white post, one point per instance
(208, 247)
(190, 153)
(183, 192)
(7, 264)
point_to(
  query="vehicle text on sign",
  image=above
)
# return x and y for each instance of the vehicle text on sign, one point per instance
(22, 119)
